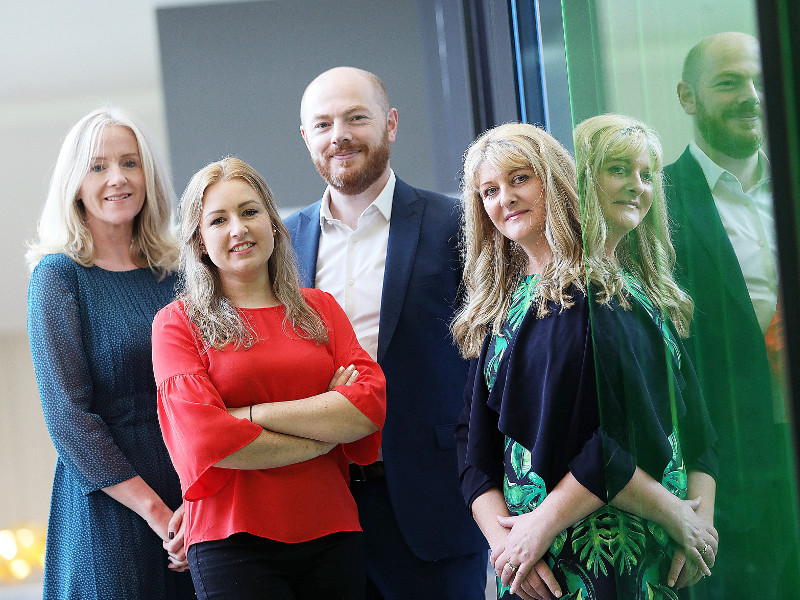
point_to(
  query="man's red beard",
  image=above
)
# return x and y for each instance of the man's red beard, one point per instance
(356, 181)
(723, 136)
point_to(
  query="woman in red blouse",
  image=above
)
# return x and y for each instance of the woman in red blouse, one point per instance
(264, 397)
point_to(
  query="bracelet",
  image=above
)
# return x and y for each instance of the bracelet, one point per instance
(251, 413)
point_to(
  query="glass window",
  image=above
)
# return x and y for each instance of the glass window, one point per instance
(677, 204)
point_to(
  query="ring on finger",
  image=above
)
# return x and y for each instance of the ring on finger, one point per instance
(512, 566)
(704, 550)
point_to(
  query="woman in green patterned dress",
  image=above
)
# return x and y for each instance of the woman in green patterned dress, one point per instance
(565, 505)
(629, 262)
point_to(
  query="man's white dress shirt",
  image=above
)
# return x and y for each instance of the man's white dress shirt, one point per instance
(747, 216)
(351, 264)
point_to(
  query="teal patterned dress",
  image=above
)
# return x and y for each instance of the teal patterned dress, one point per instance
(610, 553)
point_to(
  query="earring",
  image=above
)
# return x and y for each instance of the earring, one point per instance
(274, 231)
(203, 247)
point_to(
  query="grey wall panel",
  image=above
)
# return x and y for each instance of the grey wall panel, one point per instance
(234, 75)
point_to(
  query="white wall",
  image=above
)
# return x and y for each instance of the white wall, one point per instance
(59, 61)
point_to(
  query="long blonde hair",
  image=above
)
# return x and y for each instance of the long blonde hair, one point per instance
(200, 287)
(62, 225)
(493, 264)
(646, 251)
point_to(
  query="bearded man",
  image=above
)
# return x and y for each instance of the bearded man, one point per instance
(388, 253)
(720, 203)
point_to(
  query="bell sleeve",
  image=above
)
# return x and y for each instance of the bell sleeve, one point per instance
(644, 397)
(195, 423)
(544, 398)
(548, 399)
(368, 392)
(61, 362)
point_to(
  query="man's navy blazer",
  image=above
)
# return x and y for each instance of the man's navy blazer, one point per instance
(425, 376)
(726, 343)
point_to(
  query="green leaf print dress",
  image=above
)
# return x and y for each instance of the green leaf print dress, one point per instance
(611, 554)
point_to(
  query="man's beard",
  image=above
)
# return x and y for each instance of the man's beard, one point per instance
(353, 182)
(722, 136)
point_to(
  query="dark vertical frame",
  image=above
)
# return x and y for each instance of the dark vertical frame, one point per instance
(493, 75)
(779, 32)
(526, 37)
(552, 46)
(505, 54)
(480, 73)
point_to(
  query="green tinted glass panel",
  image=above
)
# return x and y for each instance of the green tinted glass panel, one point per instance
(676, 203)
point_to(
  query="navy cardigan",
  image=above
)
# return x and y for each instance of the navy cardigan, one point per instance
(595, 400)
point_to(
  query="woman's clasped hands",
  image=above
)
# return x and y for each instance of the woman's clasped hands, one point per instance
(174, 542)
(698, 542)
(518, 560)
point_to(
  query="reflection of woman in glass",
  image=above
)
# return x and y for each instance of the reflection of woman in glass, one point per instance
(534, 467)
(643, 372)
(102, 270)
(264, 396)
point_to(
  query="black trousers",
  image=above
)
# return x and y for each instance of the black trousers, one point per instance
(247, 567)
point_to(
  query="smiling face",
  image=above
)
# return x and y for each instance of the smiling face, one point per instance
(625, 194)
(236, 231)
(113, 191)
(347, 129)
(514, 201)
(726, 102)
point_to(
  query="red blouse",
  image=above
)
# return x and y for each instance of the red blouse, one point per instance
(196, 383)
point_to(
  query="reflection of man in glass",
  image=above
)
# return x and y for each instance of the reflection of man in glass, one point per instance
(720, 201)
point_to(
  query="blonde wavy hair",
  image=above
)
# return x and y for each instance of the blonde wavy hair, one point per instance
(646, 251)
(62, 225)
(200, 287)
(493, 263)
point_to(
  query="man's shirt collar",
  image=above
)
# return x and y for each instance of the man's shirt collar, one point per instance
(382, 203)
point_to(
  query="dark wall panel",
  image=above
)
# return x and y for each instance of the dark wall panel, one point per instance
(234, 75)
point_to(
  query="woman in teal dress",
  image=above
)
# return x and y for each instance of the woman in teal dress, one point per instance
(569, 506)
(102, 267)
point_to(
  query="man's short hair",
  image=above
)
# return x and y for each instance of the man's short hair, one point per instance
(694, 62)
(380, 90)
